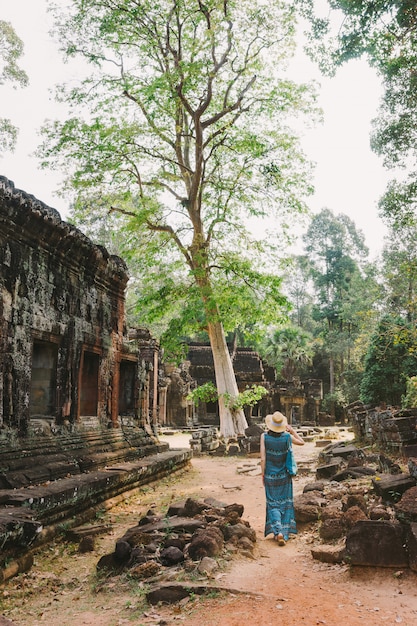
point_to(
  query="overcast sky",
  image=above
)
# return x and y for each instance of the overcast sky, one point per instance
(349, 177)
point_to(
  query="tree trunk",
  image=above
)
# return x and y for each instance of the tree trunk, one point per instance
(331, 375)
(232, 423)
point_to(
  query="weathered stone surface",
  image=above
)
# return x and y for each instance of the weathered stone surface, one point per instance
(379, 512)
(171, 556)
(332, 529)
(207, 542)
(390, 488)
(87, 544)
(332, 511)
(207, 565)
(377, 544)
(327, 471)
(353, 472)
(353, 515)
(145, 570)
(173, 524)
(318, 485)
(406, 508)
(329, 553)
(238, 531)
(354, 500)
(18, 527)
(412, 546)
(171, 593)
(305, 513)
(345, 451)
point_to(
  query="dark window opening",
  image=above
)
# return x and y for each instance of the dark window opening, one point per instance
(127, 388)
(43, 390)
(89, 384)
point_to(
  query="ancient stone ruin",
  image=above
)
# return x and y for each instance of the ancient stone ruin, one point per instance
(80, 395)
(364, 504)
(190, 537)
(299, 400)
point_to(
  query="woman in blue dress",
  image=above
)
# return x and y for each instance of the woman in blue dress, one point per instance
(277, 481)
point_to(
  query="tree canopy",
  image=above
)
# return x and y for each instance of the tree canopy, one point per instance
(11, 50)
(385, 32)
(182, 130)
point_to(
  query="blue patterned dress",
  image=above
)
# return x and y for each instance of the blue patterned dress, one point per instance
(278, 486)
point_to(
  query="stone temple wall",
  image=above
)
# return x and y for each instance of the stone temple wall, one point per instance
(62, 317)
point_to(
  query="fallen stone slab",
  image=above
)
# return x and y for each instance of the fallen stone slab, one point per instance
(321, 443)
(412, 546)
(353, 472)
(377, 543)
(346, 451)
(326, 553)
(390, 488)
(328, 471)
(18, 528)
(170, 593)
(76, 534)
(165, 525)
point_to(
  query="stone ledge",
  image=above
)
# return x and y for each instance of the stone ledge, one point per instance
(26, 514)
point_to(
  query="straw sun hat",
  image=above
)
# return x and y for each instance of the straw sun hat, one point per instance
(277, 422)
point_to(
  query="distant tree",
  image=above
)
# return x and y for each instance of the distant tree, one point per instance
(391, 359)
(289, 350)
(11, 49)
(182, 129)
(336, 251)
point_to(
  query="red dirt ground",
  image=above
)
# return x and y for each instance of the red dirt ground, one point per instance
(280, 586)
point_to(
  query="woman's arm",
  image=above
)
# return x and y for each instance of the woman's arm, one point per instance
(295, 437)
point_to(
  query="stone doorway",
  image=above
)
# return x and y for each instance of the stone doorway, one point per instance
(43, 381)
(89, 384)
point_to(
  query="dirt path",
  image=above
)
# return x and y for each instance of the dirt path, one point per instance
(283, 585)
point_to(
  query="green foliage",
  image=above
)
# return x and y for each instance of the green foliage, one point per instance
(249, 397)
(183, 131)
(409, 400)
(335, 402)
(288, 350)
(345, 292)
(203, 393)
(208, 393)
(11, 49)
(391, 359)
(385, 32)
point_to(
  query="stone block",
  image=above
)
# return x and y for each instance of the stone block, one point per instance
(377, 544)
(327, 471)
(406, 508)
(332, 528)
(390, 488)
(329, 553)
(412, 546)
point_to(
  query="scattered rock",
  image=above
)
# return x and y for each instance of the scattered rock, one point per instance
(377, 544)
(87, 544)
(329, 553)
(207, 565)
(145, 570)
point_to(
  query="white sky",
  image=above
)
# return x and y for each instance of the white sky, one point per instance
(349, 177)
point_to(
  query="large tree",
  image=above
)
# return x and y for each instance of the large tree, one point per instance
(336, 252)
(181, 125)
(11, 49)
